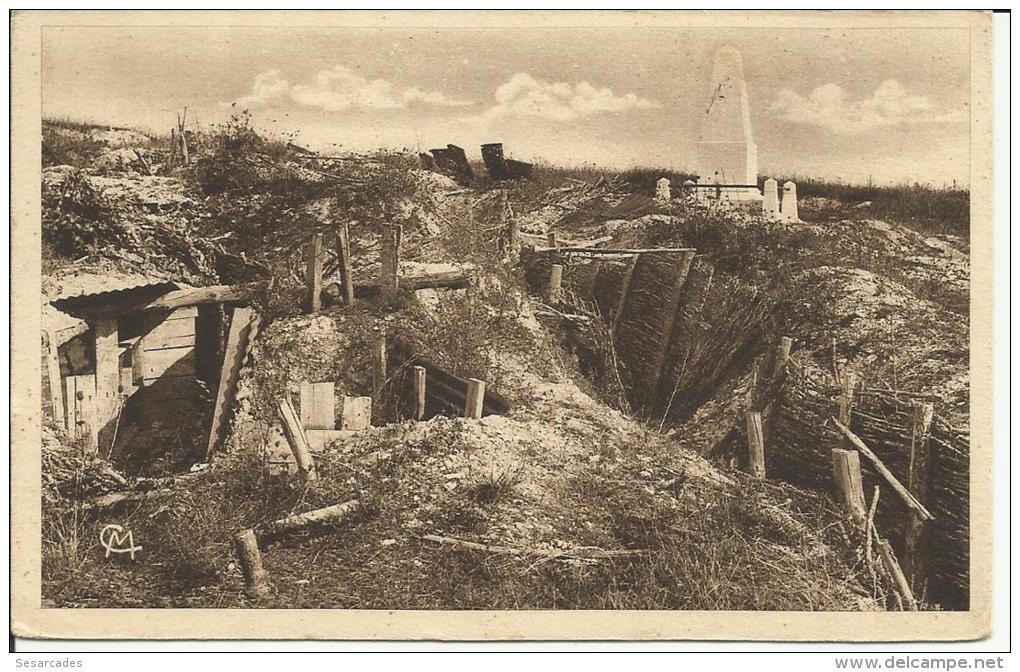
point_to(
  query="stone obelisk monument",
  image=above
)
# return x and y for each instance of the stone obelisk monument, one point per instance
(726, 150)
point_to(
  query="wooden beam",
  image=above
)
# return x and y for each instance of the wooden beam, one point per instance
(313, 274)
(615, 251)
(846, 400)
(846, 468)
(755, 445)
(243, 326)
(107, 360)
(196, 296)
(782, 355)
(904, 494)
(343, 254)
(475, 399)
(419, 392)
(295, 434)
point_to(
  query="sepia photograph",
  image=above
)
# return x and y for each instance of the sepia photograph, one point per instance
(629, 314)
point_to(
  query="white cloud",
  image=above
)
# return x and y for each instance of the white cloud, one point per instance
(340, 89)
(526, 96)
(829, 107)
(269, 86)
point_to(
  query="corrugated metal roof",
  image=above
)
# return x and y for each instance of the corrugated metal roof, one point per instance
(114, 300)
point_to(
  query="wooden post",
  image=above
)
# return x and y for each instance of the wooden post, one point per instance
(883, 471)
(624, 291)
(53, 376)
(551, 239)
(378, 367)
(256, 580)
(419, 392)
(243, 325)
(313, 274)
(107, 359)
(755, 445)
(295, 434)
(782, 355)
(390, 259)
(475, 398)
(846, 469)
(918, 479)
(555, 281)
(343, 254)
(181, 119)
(893, 567)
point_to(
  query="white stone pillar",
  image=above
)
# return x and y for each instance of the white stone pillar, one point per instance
(770, 204)
(789, 211)
(662, 190)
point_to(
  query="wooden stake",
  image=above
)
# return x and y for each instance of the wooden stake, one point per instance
(475, 398)
(555, 281)
(846, 468)
(551, 239)
(918, 480)
(313, 274)
(419, 392)
(343, 253)
(378, 367)
(256, 580)
(904, 494)
(755, 445)
(893, 567)
(183, 138)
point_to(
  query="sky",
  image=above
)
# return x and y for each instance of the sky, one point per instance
(889, 105)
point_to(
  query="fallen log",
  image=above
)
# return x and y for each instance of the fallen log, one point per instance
(904, 494)
(309, 521)
(552, 554)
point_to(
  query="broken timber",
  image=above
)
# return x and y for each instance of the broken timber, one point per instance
(295, 434)
(256, 580)
(343, 254)
(313, 274)
(904, 494)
